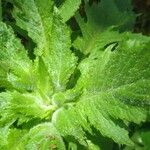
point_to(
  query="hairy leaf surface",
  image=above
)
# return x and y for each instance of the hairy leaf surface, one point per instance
(58, 100)
(100, 17)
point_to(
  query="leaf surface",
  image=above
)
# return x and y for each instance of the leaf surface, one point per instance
(69, 6)
(116, 86)
(102, 16)
(35, 17)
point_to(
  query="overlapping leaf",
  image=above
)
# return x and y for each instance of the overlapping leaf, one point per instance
(100, 17)
(32, 83)
(35, 17)
(111, 92)
(68, 9)
(51, 36)
(43, 136)
(141, 139)
(15, 65)
(116, 87)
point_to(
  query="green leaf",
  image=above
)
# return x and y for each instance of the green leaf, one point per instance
(23, 107)
(145, 138)
(141, 139)
(14, 140)
(72, 122)
(15, 67)
(44, 136)
(30, 105)
(67, 123)
(100, 17)
(124, 64)
(35, 17)
(3, 79)
(43, 81)
(110, 92)
(68, 9)
(116, 86)
(52, 37)
(3, 135)
(61, 61)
